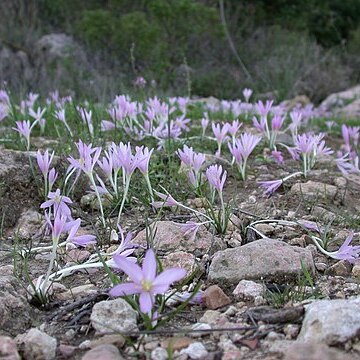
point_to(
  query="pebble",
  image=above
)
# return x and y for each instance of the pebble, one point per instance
(103, 352)
(8, 349)
(159, 354)
(214, 298)
(195, 351)
(36, 344)
(248, 290)
(112, 316)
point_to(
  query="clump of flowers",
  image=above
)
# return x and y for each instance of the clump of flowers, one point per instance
(242, 149)
(192, 162)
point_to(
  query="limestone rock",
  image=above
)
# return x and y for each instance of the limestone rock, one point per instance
(314, 190)
(103, 352)
(169, 237)
(112, 316)
(262, 259)
(36, 344)
(332, 322)
(8, 349)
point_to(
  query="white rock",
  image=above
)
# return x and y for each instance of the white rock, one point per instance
(248, 290)
(195, 351)
(113, 316)
(331, 322)
(36, 344)
(159, 354)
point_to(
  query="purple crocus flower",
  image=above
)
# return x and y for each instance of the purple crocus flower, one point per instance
(168, 200)
(24, 128)
(216, 177)
(145, 281)
(107, 125)
(87, 160)
(260, 125)
(52, 176)
(59, 203)
(270, 186)
(276, 122)
(242, 149)
(277, 156)
(81, 240)
(234, 127)
(247, 94)
(220, 134)
(186, 155)
(44, 161)
(347, 251)
(264, 109)
(143, 155)
(204, 124)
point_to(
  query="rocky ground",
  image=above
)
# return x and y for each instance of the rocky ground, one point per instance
(276, 297)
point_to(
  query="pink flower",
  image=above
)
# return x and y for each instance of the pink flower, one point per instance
(145, 281)
(59, 203)
(247, 94)
(168, 200)
(216, 177)
(44, 161)
(277, 156)
(270, 186)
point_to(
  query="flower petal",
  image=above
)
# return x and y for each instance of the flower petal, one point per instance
(149, 265)
(169, 276)
(132, 270)
(146, 302)
(125, 289)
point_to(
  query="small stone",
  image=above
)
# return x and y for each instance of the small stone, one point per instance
(180, 259)
(195, 351)
(340, 182)
(76, 292)
(248, 290)
(85, 345)
(112, 316)
(356, 270)
(314, 190)
(320, 213)
(332, 322)
(232, 355)
(210, 317)
(8, 349)
(227, 345)
(265, 229)
(77, 255)
(28, 224)
(177, 343)
(231, 311)
(341, 268)
(103, 352)
(214, 298)
(297, 241)
(200, 326)
(159, 354)
(311, 350)
(66, 350)
(112, 339)
(291, 331)
(273, 336)
(170, 237)
(321, 266)
(36, 344)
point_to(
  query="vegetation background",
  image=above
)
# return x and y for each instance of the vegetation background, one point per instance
(181, 47)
